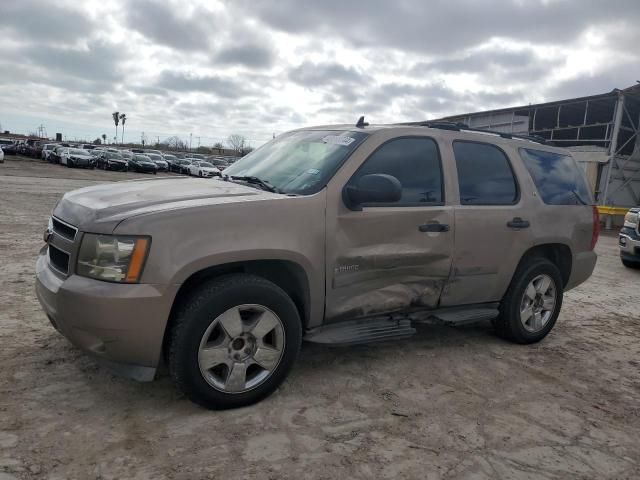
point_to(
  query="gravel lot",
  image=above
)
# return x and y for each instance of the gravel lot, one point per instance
(448, 403)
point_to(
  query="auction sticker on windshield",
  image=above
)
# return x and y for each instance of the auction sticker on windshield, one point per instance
(338, 140)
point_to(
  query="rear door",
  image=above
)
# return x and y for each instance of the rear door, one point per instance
(491, 224)
(390, 257)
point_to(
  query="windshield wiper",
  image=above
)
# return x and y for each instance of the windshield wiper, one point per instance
(264, 184)
(579, 198)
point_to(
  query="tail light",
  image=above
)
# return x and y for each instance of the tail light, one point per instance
(596, 227)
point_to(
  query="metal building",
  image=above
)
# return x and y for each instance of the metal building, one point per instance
(601, 130)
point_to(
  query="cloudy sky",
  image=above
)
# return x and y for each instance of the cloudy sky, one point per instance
(258, 67)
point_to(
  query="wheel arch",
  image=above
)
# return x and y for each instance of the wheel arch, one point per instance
(286, 274)
(559, 254)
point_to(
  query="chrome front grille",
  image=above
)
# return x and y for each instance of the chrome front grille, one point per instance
(62, 245)
(64, 229)
(59, 259)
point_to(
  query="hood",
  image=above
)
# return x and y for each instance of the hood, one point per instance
(100, 208)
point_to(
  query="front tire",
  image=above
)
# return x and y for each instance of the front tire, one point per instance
(531, 306)
(234, 341)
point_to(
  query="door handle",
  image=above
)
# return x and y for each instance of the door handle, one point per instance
(518, 223)
(434, 227)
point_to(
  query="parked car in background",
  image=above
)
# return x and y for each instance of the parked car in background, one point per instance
(126, 154)
(76, 157)
(55, 155)
(1, 156)
(218, 162)
(46, 150)
(200, 168)
(170, 159)
(160, 163)
(155, 152)
(87, 146)
(629, 239)
(9, 148)
(111, 161)
(143, 164)
(181, 165)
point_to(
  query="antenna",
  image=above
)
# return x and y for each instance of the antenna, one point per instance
(361, 123)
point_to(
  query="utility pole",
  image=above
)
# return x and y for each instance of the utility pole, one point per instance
(198, 141)
(142, 138)
(190, 141)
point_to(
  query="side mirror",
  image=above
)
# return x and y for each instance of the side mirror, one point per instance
(373, 188)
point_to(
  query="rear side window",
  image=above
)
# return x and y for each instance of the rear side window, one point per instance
(485, 176)
(415, 162)
(557, 177)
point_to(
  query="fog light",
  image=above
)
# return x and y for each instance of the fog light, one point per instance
(623, 241)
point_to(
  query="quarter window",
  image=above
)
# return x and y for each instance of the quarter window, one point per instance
(557, 177)
(484, 175)
(415, 162)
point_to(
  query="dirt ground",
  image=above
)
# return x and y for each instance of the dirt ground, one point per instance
(449, 403)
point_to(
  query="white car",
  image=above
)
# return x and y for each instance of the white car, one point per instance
(47, 149)
(77, 157)
(1, 156)
(203, 169)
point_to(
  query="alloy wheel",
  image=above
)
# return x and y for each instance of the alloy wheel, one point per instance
(538, 303)
(241, 348)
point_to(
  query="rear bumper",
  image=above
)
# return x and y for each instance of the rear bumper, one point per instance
(123, 325)
(581, 269)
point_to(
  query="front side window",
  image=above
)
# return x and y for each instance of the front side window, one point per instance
(484, 174)
(557, 177)
(415, 162)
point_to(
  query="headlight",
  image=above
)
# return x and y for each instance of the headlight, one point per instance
(112, 258)
(631, 219)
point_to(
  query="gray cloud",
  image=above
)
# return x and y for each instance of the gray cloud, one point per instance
(32, 21)
(166, 26)
(211, 84)
(440, 25)
(253, 56)
(316, 75)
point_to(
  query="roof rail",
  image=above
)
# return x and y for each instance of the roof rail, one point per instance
(458, 127)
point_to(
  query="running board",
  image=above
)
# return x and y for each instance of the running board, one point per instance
(458, 315)
(378, 329)
(366, 330)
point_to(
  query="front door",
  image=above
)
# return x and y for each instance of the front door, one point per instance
(392, 257)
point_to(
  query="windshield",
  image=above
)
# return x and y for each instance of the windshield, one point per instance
(299, 162)
(205, 164)
(114, 156)
(77, 151)
(142, 158)
(154, 157)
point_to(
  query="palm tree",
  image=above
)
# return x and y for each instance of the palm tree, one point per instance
(116, 120)
(104, 138)
(123, 117)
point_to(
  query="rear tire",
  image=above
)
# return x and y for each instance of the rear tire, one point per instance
(527, 294)
(252, 301)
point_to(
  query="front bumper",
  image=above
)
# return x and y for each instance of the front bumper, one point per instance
(121, 324)
(120, 166)
(629, 242)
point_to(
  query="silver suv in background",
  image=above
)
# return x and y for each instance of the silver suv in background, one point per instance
(629, 239)
(336, 234)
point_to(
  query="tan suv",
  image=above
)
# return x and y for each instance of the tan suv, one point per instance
(334, 234)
